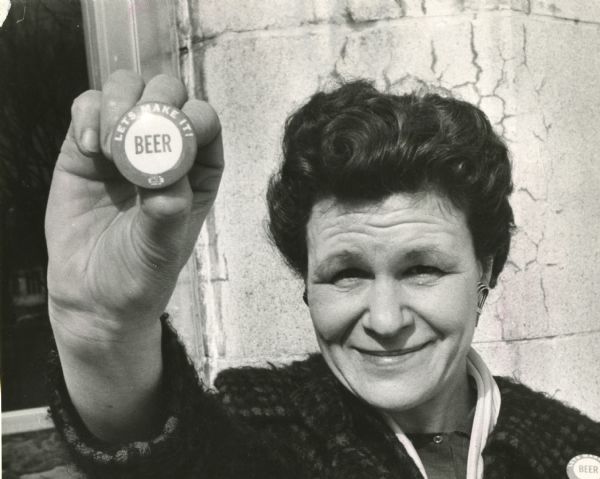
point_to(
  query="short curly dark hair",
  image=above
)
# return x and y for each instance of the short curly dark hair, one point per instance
(358, 144)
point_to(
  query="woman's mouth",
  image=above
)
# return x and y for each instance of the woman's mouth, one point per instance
(392, 356)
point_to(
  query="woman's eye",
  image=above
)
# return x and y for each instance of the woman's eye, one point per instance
(424, 273)
(347, 277)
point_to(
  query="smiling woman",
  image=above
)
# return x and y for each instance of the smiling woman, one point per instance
(396, 313)
(394, 211)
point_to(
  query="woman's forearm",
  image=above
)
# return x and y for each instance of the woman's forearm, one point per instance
(114, 381)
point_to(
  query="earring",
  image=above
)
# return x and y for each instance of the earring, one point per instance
(482, 293)
(305, 297)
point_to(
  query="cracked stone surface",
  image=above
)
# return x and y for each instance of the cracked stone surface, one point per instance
(534, 72)
(566, 367)
(486, 5)
(210, 18)
(556, 171)
(582, 10)
(360, 10)
(255, 83)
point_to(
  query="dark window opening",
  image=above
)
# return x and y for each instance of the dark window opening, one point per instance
(43, 68)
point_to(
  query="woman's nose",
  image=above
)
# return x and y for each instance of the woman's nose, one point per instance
(387, 313)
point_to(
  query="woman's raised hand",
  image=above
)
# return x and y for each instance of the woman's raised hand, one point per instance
(115, 250)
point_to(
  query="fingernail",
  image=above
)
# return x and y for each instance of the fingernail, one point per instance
(89, 141)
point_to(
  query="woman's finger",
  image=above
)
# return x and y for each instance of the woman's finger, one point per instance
(85, 122)
(80, 153)
(165, 89)
(205, 174)
(121, 91)
(162, 219)
(205, 121)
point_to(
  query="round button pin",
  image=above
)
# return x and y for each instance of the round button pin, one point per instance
(584, 466)
(154, 145)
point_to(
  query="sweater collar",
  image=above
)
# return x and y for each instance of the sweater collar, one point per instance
(354, 436)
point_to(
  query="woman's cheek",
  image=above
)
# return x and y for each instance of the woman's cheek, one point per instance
(442, 306)
(333, 317)
(455, 307)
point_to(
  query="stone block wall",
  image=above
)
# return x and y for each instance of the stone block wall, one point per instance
(531, 65)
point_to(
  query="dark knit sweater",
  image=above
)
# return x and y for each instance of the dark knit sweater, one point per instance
(300, 422)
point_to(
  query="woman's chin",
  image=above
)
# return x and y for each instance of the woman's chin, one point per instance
(391, 384)
(391, 396)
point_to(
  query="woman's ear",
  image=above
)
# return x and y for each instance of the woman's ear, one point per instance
(486, 269)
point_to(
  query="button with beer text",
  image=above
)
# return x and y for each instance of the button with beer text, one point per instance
(584, 466)
(154, 145)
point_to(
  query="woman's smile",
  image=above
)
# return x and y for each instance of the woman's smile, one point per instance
(391, 357)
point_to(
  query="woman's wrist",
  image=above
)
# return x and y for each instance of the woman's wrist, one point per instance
(80, 330)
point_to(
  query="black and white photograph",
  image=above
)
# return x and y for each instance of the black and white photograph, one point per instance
(300, 239)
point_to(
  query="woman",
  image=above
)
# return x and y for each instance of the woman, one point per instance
(394, 211)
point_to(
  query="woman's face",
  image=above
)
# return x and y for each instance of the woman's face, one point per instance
(392, 289)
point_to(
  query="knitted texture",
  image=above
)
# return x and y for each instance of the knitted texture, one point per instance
(298, 421)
